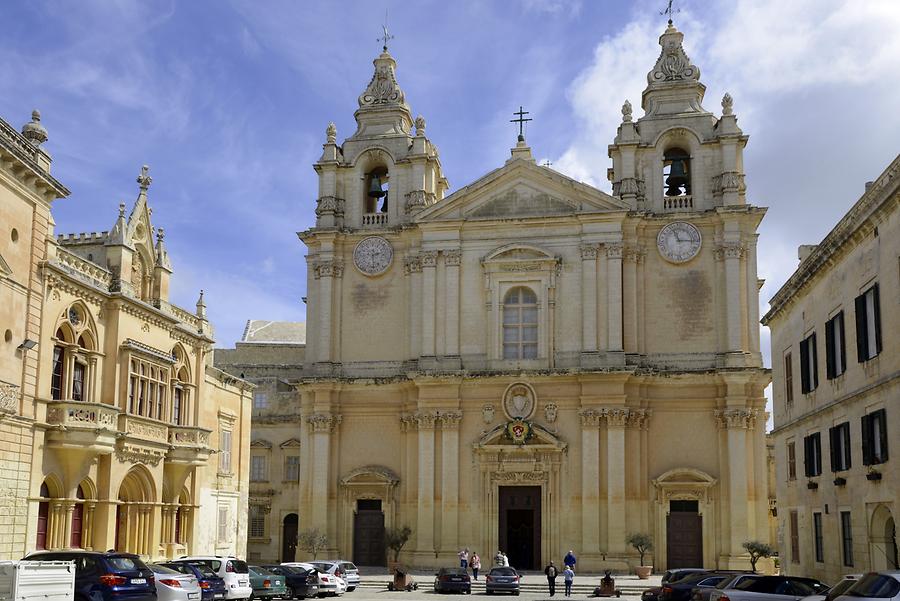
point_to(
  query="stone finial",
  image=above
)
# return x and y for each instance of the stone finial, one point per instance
(160, 234)
(727, 104)
(383, 90)
(162, 255)
(673, 65)
(33, 131)
(121, 210)
(144, 180)
(626, 112)
(331, 133)
(201, 307)
(420, 126)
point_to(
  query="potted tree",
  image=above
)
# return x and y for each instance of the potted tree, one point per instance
(642, 543)
(394, 539)
(312, 540)
(757, 550)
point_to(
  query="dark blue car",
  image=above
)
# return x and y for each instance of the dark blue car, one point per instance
(211, 586)
(106, 576)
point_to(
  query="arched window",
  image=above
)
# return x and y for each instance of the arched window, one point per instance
(77, 520)
(377, 187)
(520, 324)
(43, 518)
(181, 381)
(677, 172)
(56, 376)
(79, 368)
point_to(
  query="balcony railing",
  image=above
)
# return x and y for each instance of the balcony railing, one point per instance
(78, 414)
(375, 219)
(143, 428)
(678, 202)
(188, 436)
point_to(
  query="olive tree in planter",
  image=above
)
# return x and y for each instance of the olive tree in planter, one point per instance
(394, 539)
(642, 543)
(758, 550)
(312, 540)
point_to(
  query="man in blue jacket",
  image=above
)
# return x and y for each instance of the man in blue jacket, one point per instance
(570, 560)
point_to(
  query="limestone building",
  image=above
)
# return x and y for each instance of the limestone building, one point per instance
(835, 363)
(116, 430)
(529, 363)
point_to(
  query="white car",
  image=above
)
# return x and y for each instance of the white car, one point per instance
(174, 586)
(342, 568)
(329, 584)
(875, 586)
(232, 570)
(837, 590)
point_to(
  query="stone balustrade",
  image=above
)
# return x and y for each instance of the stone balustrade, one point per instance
(678, 202)
(188, 436)
(79, 414)
(143, 428)
(375, 219)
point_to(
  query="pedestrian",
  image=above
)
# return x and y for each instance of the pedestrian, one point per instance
(476, 565)
(464, 558)
(505, 563)
(570, 560)
(498, 559)
(551, 573)
(569, 576)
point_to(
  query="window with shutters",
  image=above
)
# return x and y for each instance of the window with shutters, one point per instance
(836, 356)
(839, 439)
(292, 468)
(874, 437)
(256, 525)
(788, 378)
(817, 538)
(258, 468)
(792, 460)
(809, 375)
(225, 452)
(847, 538)
(812, 455)
(794, 528)
(520, 324)
(222, 529)
(868, 324)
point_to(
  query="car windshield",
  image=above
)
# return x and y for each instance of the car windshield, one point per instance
(875, 585)
(503, 572)
(840, 588)
(347, 566)
(124, 564)
(293, 570)
(157, 569)
(729, 582)
(690, 578)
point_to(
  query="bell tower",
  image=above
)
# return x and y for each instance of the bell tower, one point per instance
(678, 157)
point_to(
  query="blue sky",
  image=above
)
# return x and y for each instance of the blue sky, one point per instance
(228, 103)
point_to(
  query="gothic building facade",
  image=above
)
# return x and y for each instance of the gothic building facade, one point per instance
(531, 364)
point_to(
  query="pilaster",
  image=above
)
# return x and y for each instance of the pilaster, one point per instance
(449, 421)
(616, 419)
(737, 423)
(590, 479)
(452, 260)
(425, 422)
(429, 263)
(614, 252)
(321, 426)
(589, 297)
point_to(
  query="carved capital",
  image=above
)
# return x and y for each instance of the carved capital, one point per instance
(589, 252)
(329, 205)
(729, 250)
(412, 264)
(407, 422)
(323, 422)
(736, 418)
(450, 419)
(635, 254)
(639, 418)
(429, 258)
(616, 416)
(590, 418)
(628, 187)
(614, 250)
(417, 200)
(452, 257)
(728, 181)
(333, 268)
(426, 420)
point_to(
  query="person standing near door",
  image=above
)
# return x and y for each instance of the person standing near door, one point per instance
(569, 560)
(476, 565)
(568, 576)
(551, 573)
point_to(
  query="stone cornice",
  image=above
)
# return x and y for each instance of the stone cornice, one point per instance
(878, 197)
(16, 149)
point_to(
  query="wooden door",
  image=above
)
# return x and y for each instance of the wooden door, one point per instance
(289, 537)
(368, 538)
(684, 540)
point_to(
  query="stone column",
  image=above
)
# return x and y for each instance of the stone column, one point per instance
(616, 418)
(732, 253)
(429, 263)
(736, 422)
(87, 527)
(450, 480)
(425, 515)
(54, 525)
(589, 297)
(452, 259)
(614, 299)
(590, 480)
(69, 509)
(321, 425)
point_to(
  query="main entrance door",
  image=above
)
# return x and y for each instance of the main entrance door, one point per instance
(368, 534)
(289, 537)
(520, 525)
(684, 535)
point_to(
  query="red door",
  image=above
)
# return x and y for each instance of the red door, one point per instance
(43, 512)
(77, 519)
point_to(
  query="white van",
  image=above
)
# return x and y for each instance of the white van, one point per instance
(232, 570)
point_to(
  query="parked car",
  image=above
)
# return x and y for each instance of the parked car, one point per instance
(651, 594)
(232, 570)
(453, 580)
(837, 590)
(212, 587)
(702, 593)
(329, 584)
(756, 587)
(106, 576)
(342, 569)
(266, 584)
(502, 580)
(301, 582)
(679, 573)
(874, 586)
(172, 585)
(682, 589)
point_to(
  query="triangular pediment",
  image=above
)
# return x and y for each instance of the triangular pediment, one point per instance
(260, 444)
(291, 443)
(520, 190)
(541, 438)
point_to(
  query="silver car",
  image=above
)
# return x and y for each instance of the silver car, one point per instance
(875, 586)
(342, 568)
(174, 586)
(757, 587)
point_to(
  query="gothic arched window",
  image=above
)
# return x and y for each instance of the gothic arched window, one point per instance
(677, 172)
(520, 324)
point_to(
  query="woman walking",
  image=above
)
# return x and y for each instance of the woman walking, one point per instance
(476, 565)
(568, 576)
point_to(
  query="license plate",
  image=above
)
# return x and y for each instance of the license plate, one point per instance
(220, 595)
(138, 581)
(243, 582)
(193, 595)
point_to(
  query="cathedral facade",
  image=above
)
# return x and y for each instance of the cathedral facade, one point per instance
(531, 364)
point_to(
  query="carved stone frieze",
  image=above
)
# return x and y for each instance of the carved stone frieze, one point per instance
(736, 418)
(323, 422)
(134, 454)
(9, 398)
(522, 266)
(530, 476)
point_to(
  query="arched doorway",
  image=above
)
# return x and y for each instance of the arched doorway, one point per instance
(883, 538)
(289, 537)
(134, 514)
(75, 540)
(43, 517)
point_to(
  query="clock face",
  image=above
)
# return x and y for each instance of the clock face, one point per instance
(373, 255)
(679, 242)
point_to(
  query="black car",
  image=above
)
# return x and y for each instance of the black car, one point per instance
(679, 573)
(106, 576)
(450, 580)
(651, 594)
(301, 583)
(683, 588)
(502, 579)
(211, 586)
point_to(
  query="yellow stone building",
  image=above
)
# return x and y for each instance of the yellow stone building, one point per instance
(116, 430)
(835, 362)
(529, 363)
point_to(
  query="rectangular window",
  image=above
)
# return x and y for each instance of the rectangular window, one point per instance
(258, 468)
(147, 385)
(292, 468)
(78, 381)
(260, 400)
(817, 538)
(868, 324)
(256, 528)
(795, 537)
(809, 375)
(222, 530)
(56, 379)
(847, 538)
(792, 461)
(874, 437)
(839, 438)
(788, 378)
(836, 356)
(812, 455)
(225, 452)
(176, 406)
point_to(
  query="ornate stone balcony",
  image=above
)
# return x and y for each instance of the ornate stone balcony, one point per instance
(82, 426)
(143, 429)
(188, 445)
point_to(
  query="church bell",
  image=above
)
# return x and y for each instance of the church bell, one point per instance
(677, 179)
(375, 190)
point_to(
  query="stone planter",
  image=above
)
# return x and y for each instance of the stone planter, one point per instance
(643, 572)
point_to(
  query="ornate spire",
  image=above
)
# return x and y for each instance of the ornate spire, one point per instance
(144, 180)
(673, 64)
(201, 307)
(162, 255)
(673, 85)
(33, 131)
(383, 90)
(118, 232)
